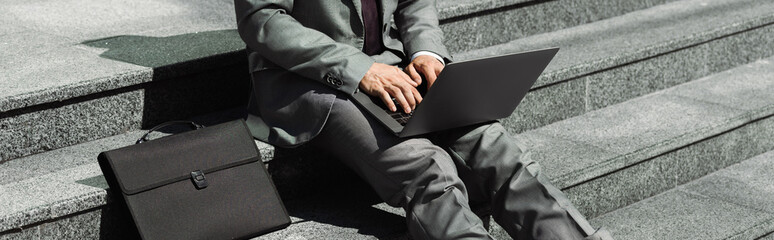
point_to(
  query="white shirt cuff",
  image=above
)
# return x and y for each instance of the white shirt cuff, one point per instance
(436, 56)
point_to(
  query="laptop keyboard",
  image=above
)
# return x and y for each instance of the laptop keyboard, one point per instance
(401, 117)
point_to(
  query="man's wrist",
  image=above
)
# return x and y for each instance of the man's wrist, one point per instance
(428, 53)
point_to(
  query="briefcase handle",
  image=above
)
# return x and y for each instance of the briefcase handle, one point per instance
(194, 126)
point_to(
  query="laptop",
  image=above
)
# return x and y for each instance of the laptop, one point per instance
(465, 93)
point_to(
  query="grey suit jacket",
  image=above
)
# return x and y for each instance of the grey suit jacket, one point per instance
(305, 53)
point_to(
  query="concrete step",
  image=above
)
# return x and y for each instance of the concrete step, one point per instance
(733, 203)
(473, 24)
(620, 154)
(616, 59)
(603, 160)
(172, 71)
(79, 70)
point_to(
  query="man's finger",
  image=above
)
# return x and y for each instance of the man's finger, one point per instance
(403, 76)
(409, 95)
(430, 74)
(387, 100)
(408, 79)
(438, 70)
(412, 71)
(417, 96)
(398, 95)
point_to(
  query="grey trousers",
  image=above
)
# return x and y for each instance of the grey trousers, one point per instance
(439, 178)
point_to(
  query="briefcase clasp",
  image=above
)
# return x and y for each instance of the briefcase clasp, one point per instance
(199, 180)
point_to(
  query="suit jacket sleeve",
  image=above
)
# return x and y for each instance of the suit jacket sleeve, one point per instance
(417, 22)
(267, 27)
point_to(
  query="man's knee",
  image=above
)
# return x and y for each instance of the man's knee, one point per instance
(427, 171)
(484, 138)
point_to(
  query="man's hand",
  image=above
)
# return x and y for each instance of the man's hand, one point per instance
(387, 82)
(426, 65)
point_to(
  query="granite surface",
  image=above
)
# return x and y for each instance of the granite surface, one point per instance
(7, 28)
(20, 41)
(99, 223)
(559, 157)
(638, 130)
(78, 226)
(82, 20)
(633, 183)
(50, 162)
(641, 123)
(457, 8)
(770, 236)
(140, 36)
(55, 160)
(108, 64)
(680, 215)
(757, 232)
(615, 69)
(355, 213)
(748, 184)
(33, 78)
(174, 55)
(547, 105)
(608, 86)
(742, 187)
(636, 149)
(748, 88)
(636, 36)
(15, 234)
(59, 126)
(475, 24)
(683, 65)
(43, 198)
(654, 124)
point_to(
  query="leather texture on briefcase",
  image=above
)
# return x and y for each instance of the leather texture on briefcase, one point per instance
(161, 182)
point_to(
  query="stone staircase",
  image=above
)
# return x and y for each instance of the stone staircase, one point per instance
(655, 117)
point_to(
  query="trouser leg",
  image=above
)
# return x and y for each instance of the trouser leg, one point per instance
(411, 173)
(496, 170)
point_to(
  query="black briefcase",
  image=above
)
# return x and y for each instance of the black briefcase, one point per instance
(209, 183)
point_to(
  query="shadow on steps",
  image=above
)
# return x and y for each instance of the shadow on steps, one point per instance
(193, 74)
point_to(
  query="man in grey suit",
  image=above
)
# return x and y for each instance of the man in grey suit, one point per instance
(308, 56)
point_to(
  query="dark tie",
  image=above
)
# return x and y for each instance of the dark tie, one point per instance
(373, 35)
